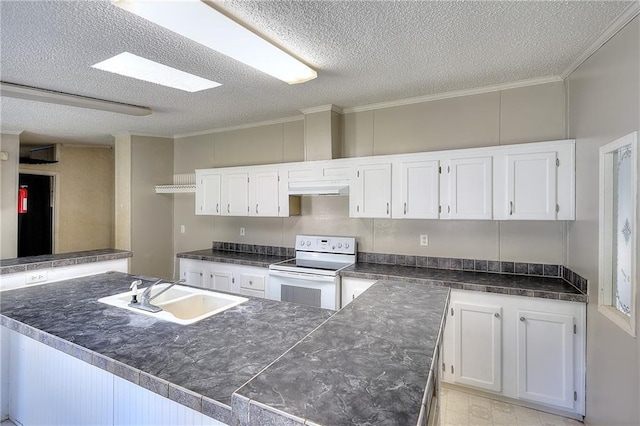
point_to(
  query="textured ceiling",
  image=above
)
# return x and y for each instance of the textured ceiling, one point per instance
(365, 52)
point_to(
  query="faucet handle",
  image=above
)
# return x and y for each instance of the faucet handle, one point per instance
(134, 286)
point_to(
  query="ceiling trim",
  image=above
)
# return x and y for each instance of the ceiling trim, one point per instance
(242, 126)
(625, 17)
(321, 108)
(11, 132)
(454, 94)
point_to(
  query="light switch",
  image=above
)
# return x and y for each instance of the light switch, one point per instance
(182, 229)
(424, 240)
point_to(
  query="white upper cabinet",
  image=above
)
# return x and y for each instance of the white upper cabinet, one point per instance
(470, 188)
(235, 193)
(208, 187)
(416, 194)
(370, 191)
(531, 186)
(265, 193)
(535, 181)
(530, 181)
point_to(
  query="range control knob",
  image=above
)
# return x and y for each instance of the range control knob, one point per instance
(346, 245)
(308, 243)
(339, 245)
(301, 243)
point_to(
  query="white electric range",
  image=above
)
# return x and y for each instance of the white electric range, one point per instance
(312, 277)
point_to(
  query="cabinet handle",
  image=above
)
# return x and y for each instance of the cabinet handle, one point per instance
(510, 208)
(228, 206)
(200, 273)
(497, 315)
(448, 209)
(522, 319)
(256, 208)
(387, 208)
(405, 208)
(217, 207)
(358, 208)
(250, 282)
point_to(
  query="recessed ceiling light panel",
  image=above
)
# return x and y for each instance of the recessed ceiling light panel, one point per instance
(202, 23)
(133, 66)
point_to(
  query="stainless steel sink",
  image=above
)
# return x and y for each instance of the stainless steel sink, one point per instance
(180, 304)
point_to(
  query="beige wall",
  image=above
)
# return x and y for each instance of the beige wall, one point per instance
(85, 186)
(151, 213)
(529, 114)
(144, 219)
(603, 96)
(9, 196)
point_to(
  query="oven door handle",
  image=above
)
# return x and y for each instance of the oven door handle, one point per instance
(302, 276)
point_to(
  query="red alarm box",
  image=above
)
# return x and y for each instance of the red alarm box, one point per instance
(22, 199)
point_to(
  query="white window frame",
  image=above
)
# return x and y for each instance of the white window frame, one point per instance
(605, 282)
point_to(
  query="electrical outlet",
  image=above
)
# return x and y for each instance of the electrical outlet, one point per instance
(36, 277)
(241, 231)
(182, 229)
(424, 240)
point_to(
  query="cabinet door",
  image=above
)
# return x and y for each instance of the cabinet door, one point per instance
(193, 276)
(470, 188)
(531, 186)
(478, 346)
(236, 190)
(208, 193)
(265, 194)
(218, 280)
(420, 188)
(545, 358)
(352, 288)
(372, 197)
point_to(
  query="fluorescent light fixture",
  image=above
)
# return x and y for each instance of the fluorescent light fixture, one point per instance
(133, 66)
(11, 90)
(200, 22)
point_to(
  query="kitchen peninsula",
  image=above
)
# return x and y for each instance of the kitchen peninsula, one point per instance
(374, 356)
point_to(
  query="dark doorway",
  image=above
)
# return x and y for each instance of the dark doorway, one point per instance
(35, 226)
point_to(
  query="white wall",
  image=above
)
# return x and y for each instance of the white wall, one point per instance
(604, 104)
(9, 196)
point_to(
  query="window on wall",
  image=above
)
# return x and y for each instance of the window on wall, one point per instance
(618, 230)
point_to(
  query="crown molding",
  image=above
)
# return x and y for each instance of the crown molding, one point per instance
(11, 132)
(322, 108)
(623, 19)
(455, 94)
(242, 126)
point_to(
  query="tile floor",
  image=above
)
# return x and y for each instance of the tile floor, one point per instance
(459, 408)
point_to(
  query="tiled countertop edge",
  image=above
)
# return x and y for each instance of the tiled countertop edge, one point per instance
(222, 259)
(193, 400)
(472, 287)
(64, 262)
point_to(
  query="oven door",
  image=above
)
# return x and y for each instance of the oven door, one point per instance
(320, 291)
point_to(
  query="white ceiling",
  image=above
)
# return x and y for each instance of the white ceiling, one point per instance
(365, 52)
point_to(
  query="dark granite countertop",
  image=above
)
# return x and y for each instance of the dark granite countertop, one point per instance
(519, 285)
(31, 263)
(368, 364)
(262, 260)
(198, 365)
(548, 287)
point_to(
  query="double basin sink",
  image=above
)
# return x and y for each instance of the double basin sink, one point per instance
(180, 304)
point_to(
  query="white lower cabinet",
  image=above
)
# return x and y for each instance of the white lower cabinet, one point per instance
(352, 288)
(478, 343)
(523, 348)
(231, 278)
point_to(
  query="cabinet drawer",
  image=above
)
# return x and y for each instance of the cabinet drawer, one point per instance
(252, 293)
(252, 282)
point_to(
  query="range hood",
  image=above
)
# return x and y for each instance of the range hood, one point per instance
(319, 187)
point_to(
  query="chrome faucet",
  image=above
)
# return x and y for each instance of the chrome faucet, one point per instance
(146, 298)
